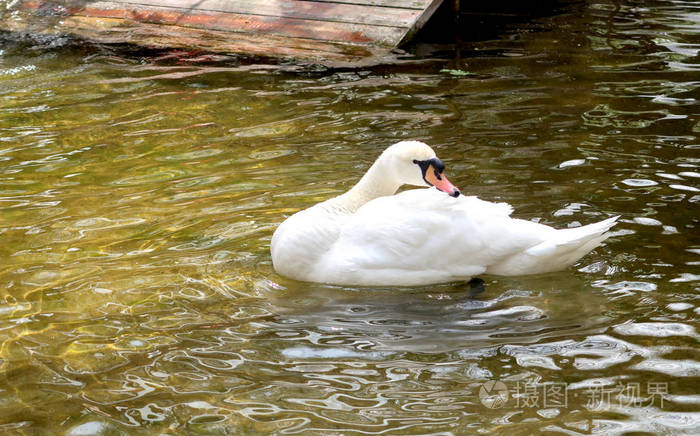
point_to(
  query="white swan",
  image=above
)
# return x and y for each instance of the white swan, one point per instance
(369, 236)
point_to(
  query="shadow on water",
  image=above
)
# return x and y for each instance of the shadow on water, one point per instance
(450, 34)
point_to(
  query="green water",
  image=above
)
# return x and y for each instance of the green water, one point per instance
(138, 196)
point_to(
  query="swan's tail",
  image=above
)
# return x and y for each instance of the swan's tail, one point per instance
(577, 242)
(565, 247)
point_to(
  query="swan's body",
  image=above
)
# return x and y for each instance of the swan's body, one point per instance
(368, 236)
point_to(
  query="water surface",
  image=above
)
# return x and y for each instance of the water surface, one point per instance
(139, 192)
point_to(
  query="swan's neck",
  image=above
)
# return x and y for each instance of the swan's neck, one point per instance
(377, 182)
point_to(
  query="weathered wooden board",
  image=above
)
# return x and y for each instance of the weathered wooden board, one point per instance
(335, 30)
(301, 9)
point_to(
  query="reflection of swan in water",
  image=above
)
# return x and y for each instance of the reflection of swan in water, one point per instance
(369, 236)
(375, 323)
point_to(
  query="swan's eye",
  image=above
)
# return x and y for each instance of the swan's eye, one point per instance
(435, 163)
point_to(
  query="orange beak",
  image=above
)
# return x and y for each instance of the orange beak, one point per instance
(437, 179)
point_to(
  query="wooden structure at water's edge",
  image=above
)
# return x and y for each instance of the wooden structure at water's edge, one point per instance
(336, 31)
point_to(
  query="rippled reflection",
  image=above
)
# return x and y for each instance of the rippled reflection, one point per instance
(138, 195)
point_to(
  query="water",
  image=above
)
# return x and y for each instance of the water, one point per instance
(139, 192)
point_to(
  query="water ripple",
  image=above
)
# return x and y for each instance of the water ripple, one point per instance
(139, 192)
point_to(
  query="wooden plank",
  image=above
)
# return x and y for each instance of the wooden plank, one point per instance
(289, 27)
(117, 31)
(302, 9)
(407, 4)
(340, 31)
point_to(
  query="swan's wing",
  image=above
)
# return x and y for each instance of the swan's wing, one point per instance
(303, 239)
(427, 233)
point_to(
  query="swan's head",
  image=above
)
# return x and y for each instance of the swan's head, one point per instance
(415, 163)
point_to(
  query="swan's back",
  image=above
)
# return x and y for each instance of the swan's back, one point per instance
(424, 236)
